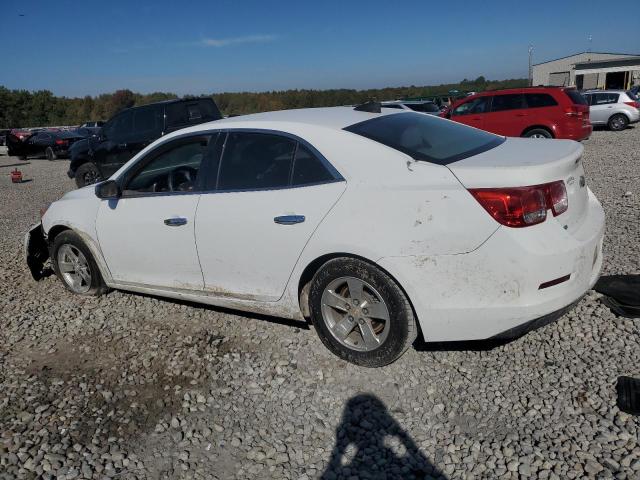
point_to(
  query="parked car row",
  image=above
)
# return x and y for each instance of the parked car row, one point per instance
(51, 143)
(546, 112)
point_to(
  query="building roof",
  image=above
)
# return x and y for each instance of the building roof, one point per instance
(614, 62)
(581, 53)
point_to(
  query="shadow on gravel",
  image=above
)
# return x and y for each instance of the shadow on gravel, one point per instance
(468, 345)
(370, 443)
(301, 324)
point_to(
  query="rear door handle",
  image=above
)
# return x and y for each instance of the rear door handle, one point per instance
(175, 221)
(289, 219)
(122, 145)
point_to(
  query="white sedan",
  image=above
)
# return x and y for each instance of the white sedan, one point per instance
(375, 224)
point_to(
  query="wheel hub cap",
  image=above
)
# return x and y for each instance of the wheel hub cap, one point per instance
(74, 268)
(355, 314)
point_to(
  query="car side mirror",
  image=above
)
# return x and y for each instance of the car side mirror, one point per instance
(109, 190)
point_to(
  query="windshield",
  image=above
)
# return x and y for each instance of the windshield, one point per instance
(426, 137)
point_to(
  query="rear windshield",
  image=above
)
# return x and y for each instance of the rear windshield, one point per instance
(426, 137)
(576, 97)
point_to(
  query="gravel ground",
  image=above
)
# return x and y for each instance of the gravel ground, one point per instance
(130, 386)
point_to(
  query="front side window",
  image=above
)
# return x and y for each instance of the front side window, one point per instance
(475, 106)
(252, 161)
(427, 137)
(119, 128)
(146, 121)
(175, 168)
(308, 169)
(502, 103)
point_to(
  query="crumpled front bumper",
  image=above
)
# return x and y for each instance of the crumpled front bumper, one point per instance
(36, 251)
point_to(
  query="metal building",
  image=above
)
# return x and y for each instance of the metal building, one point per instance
(589, 70)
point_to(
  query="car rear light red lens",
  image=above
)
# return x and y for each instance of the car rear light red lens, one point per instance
(61, 142)
(573, 111)
(557, 197)
(633, 104)
(523, 206)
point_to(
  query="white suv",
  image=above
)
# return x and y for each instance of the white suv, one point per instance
(614, 108)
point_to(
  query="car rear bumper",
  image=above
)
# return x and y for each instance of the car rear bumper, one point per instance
(577, 133)
(501, 285)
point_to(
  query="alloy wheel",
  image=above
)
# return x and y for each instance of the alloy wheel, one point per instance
(74, 268)
(355, 314)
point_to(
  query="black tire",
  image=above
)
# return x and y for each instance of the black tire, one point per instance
(87, 174)
(51, 155)
(537, 133)
(22, 157)
(96, 286)
(402, 324)
(618, 122)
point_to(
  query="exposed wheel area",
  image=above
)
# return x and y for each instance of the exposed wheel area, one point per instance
(87, 174)
(541, 133)
(618, 122)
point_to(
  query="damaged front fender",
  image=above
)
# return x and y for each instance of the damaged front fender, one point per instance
(36, 251)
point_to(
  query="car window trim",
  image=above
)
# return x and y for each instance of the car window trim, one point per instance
(209, 160)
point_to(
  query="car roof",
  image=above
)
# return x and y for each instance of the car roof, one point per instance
(336, 118)
(606, 91)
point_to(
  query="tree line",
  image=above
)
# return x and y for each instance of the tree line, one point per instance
(22, 108)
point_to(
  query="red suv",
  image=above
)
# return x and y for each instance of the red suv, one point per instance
(535, 112)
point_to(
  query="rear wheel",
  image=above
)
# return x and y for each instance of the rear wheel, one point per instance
(618, 122)
(360, 313)
(74, 265)
(538, 133)
(87, 174)
(51, 155)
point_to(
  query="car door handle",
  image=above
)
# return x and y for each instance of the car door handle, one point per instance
(289, 219)
(175, 221)
(122, 145)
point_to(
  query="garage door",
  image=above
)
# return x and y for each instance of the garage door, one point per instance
(559, 79)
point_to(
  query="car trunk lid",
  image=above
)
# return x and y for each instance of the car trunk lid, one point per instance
(523, 162)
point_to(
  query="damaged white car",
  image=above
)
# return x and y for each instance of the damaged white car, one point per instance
(376, 224)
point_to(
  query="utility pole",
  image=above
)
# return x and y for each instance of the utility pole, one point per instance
(530, 67)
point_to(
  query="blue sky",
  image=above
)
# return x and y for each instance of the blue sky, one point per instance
(192, 47)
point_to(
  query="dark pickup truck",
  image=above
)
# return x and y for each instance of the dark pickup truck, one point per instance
(129, 131)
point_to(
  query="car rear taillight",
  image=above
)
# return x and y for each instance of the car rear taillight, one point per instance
(573, 111)
(61, 142)
(523, 206)
(633, 104)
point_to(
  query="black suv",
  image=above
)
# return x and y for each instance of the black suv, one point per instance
(129, 131)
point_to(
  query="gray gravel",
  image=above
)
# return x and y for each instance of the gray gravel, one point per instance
(128, 386)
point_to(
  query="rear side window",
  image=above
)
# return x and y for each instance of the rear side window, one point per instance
(309, 169)
(253, 161)
(604, 98)
(538, 100)
(575, 97)
(501, 103)
(631, 95)
(427, 137)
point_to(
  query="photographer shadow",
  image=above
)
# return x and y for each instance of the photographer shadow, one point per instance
(370, 444)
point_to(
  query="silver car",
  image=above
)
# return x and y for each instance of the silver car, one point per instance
(423, 106)
(614, 108)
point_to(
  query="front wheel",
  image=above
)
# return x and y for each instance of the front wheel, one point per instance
(538, 133)
(618, 122)
(87, 174)
(360, 313)
(75, 266)
(51, 155)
